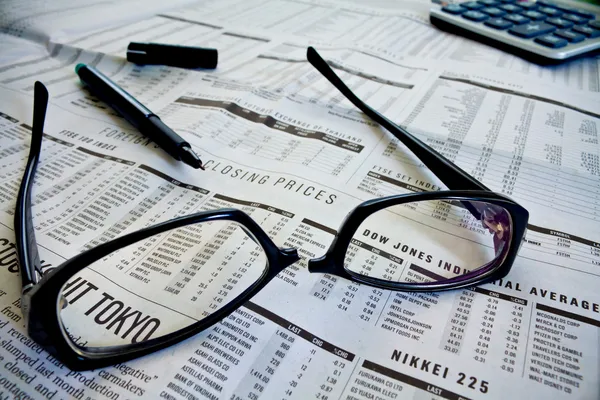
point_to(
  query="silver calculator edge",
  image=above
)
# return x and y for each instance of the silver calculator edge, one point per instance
(571, 50)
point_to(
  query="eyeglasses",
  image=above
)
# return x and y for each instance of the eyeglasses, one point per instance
(428, 241)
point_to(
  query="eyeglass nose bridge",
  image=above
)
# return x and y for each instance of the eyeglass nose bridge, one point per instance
(288, 256)
(329, 262)
(323, 264)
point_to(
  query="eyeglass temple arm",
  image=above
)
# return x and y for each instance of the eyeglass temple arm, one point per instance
(27, 250)
(449, 173)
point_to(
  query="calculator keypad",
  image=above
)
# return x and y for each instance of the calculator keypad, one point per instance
(544, 22)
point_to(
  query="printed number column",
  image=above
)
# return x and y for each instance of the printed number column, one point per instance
(294, 364)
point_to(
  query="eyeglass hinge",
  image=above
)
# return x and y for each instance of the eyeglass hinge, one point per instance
(25, 301)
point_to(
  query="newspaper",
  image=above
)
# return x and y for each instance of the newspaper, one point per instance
(282, 145)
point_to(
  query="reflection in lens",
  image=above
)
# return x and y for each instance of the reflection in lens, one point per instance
(159, 285)
(430, 241)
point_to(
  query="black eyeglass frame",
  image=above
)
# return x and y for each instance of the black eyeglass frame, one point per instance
(42, 316)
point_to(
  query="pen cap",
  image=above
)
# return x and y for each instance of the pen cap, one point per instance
(173, 55)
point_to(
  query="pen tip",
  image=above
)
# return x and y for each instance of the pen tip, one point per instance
(190, 158)
(78, 67)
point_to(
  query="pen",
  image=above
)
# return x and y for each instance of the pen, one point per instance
(148, 123)
(173, 55)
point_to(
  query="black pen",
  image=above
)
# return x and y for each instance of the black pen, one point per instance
(173, 55)
(138, 115)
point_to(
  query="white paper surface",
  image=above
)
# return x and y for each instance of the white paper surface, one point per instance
(525, 131)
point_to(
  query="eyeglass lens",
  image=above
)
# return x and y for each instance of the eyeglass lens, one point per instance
(159, 285)
(448, 240)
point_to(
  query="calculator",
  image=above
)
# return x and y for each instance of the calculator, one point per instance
(546, 32)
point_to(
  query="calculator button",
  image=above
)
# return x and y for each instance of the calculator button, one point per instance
(498, 23)
(584, 14)
(552, 12)
(517, 19)
(535, 15)
(577, 11)
(587, 31)
(546, 3)
(511, 8)
(575, 18)
(508, 1)
(559, 22)
(475, 16)
(532, 29)
(595, 24)
(454, 9)
(571, 36)
(472, 5)
(528, 5)
(493, 12)
(488, 3)
(551, 41)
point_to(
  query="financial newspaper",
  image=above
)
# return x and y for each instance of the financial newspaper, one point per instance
(281, 144)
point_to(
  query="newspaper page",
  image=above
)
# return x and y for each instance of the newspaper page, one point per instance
(280, 144)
